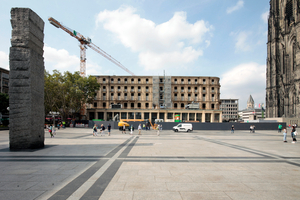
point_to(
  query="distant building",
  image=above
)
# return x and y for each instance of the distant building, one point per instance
(251, 113)
(229, 109)
(4, 80)
(157, 97)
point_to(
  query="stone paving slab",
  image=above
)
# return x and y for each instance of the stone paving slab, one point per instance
(197, 165)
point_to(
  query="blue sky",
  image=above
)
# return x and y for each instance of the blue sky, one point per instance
(222, 38)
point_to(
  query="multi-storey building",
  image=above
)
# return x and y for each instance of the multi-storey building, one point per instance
(4, 79)
(283, 61)
(229, 109)
(157, 97)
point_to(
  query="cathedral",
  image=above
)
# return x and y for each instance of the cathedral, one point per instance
(283, 59)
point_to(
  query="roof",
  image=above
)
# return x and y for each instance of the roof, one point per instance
(250, 100)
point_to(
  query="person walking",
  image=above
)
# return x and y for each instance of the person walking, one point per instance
(108, 129)
(279, 128)
(124, 129)
(102, 129)
(131, 130)
(140, 129)
(95, 130)
(50, 131)
(144, 126)
(157, 130)
(293, 134)
(284, 134)
(232, 129)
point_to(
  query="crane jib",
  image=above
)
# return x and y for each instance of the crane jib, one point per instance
(86, 41)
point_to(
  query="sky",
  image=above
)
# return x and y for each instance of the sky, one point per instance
(218, 38)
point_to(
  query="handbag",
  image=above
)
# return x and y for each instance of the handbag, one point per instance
(295, 133)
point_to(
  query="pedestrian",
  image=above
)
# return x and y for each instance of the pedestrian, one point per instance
(124, 129)
(284, 134)
(251, 129)
(279, 128)
(144, 126)
(232, 129)
(157, 130)
(160, 127)
(293, 134)
(131, 130)
(108, 129)
(102, 130)
(50, 131)
(95, 130)
(140, 129)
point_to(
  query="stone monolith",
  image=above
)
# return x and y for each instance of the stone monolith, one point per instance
(26, 80)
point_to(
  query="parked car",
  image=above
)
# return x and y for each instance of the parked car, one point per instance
(187, 127)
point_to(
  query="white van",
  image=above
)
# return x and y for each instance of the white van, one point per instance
(183, 127)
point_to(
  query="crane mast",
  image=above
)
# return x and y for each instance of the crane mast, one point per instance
(84, 43)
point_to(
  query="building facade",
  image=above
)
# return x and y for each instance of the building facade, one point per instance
(157, 97)
(283, 61)
(4, 80)
(229, 109)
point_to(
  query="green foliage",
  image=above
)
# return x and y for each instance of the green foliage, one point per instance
(66, 93)
(4, 103)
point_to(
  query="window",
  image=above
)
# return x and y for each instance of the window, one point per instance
(139, 80)
(175, 80)
(189, 89)
(196, 80)
(125, 80)
(212, 89)
(112, 88)
(132, 80)
(147, 89)
(204, 81)
(189, 81)
(103, 80)
(132, 105)
(147, 106)
(119, 80)
(212, 106)
(139, 106)
(182, 105)
(203, 89)
(182, 81)
(147, 80)
(125, 106)
(175, 105)
(104, 88)
(196, 89)
(161, 80)
(139, 88)
(203, 106)
(95, 105)
(112, 80)
(182, 89)
(203, 97)
(104, 105)
(212, 81)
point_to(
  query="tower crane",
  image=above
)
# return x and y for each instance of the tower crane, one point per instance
(84, 43)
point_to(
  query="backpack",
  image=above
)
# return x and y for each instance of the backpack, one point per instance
(103, 128)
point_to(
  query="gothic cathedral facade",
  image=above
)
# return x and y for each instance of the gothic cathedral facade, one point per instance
(283, 59)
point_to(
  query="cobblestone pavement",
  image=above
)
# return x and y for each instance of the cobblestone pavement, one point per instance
(198, 165)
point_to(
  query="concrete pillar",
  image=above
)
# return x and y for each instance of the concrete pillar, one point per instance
(26, 84)
(203, 117)
(212, 115)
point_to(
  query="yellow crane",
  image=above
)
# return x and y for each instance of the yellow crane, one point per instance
(84, 43)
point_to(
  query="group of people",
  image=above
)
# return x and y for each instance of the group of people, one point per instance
(252, 129)
(101, 129)
(293, 132)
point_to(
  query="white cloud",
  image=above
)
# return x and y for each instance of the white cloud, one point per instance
(243, 80)
(4, 60)
(238, 6)
(242, 42)
(60, 60)
(265, 16)
(175, 42)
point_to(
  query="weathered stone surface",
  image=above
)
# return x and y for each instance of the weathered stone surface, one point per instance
(26, 80)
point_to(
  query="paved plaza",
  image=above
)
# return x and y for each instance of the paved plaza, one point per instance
(198, 165)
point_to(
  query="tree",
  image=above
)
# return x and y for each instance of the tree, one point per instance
(68, 92)
(4, 102)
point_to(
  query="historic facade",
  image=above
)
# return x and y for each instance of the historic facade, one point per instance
(157, 97)
(283, 61)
